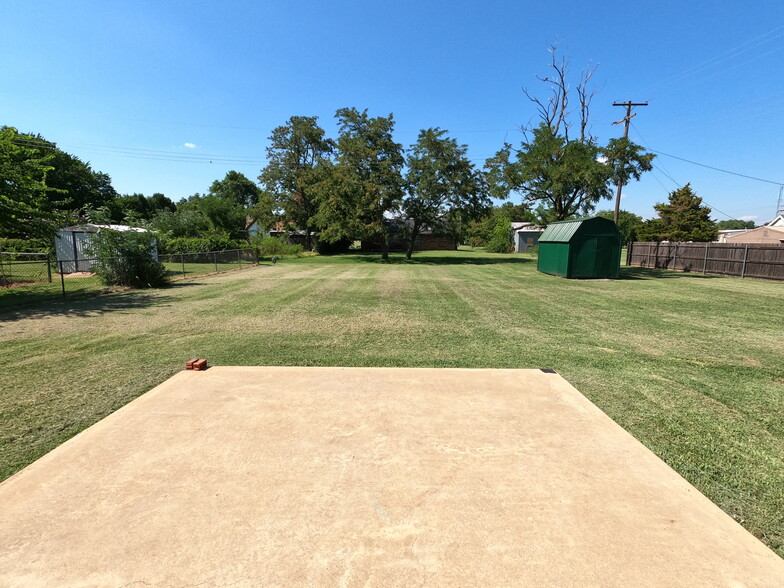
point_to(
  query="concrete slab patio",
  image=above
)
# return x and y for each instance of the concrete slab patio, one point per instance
(365, 476)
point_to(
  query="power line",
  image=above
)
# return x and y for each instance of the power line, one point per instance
(726, 171)
(673, 180)
(676, 182)
(744, 47)
(149, 154)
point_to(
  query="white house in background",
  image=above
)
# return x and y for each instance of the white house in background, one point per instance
(776, 222)
(525, 235)
(725, 233)
(71, 245)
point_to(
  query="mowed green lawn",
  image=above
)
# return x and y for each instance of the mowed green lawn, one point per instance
(691, 365)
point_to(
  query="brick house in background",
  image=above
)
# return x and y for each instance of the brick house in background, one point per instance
(428, 240)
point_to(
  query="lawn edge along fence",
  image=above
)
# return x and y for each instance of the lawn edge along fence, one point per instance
(745, 260)
(47, 277)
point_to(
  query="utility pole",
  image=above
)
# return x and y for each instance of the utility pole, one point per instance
(626, 120)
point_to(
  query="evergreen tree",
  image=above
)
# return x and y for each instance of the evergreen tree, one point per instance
(683, 218)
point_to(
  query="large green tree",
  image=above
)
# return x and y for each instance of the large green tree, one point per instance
(249, 200)
(137, 208)
(735, 224)
(628, 223)
(445, 190)
(365, 184)
(223, 214)
(565, 176)
(628, 161)
(297, 163)
(180, 223)
(560, 166)
(84, 188)
(75, 185)
(683, 218)
(29, 208)
(236, 186)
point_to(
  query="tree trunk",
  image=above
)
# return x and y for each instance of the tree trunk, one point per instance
(411, 239)
(384, 246)
(307, 239)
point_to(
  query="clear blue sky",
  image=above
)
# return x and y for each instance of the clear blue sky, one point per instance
(167, 96)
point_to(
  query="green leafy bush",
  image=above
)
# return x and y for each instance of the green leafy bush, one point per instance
(500, 240)
(216, 242)
(25, 245)
(268, 246)
(126, 258)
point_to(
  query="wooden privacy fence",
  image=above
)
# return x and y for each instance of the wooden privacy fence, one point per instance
(747, 260)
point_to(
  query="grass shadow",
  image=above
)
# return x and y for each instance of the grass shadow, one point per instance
(428, 259)
(87, 305)
(649, 273)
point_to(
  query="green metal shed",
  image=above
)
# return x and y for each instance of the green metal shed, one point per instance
(581, 248)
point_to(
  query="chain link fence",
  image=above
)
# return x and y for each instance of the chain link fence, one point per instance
(25, 268)
(183, 265)
(33, 277)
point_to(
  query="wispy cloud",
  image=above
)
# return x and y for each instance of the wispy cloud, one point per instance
(755, 217)
(189, 145)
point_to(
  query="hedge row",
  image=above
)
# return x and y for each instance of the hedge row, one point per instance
(25, 245)
(196, 245)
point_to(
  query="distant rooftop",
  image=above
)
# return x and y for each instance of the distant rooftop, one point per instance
(94, 228)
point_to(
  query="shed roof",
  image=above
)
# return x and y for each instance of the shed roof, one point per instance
(564, 231)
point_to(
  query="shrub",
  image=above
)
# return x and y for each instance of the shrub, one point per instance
(268, 246)
(219, 242)
(126, 258)
(500, 240)
(26, 245)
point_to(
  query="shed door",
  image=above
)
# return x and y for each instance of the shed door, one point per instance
(604, 257)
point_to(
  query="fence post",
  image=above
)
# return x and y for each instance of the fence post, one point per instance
(49, 267)
(629, 249)
(215, 260)
(675, 257)
(182, 263)
(239, 257)
(649, 254)
(705, 261)
(62, 278)
(745, 258)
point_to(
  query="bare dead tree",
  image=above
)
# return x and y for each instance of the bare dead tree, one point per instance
(554, 109)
